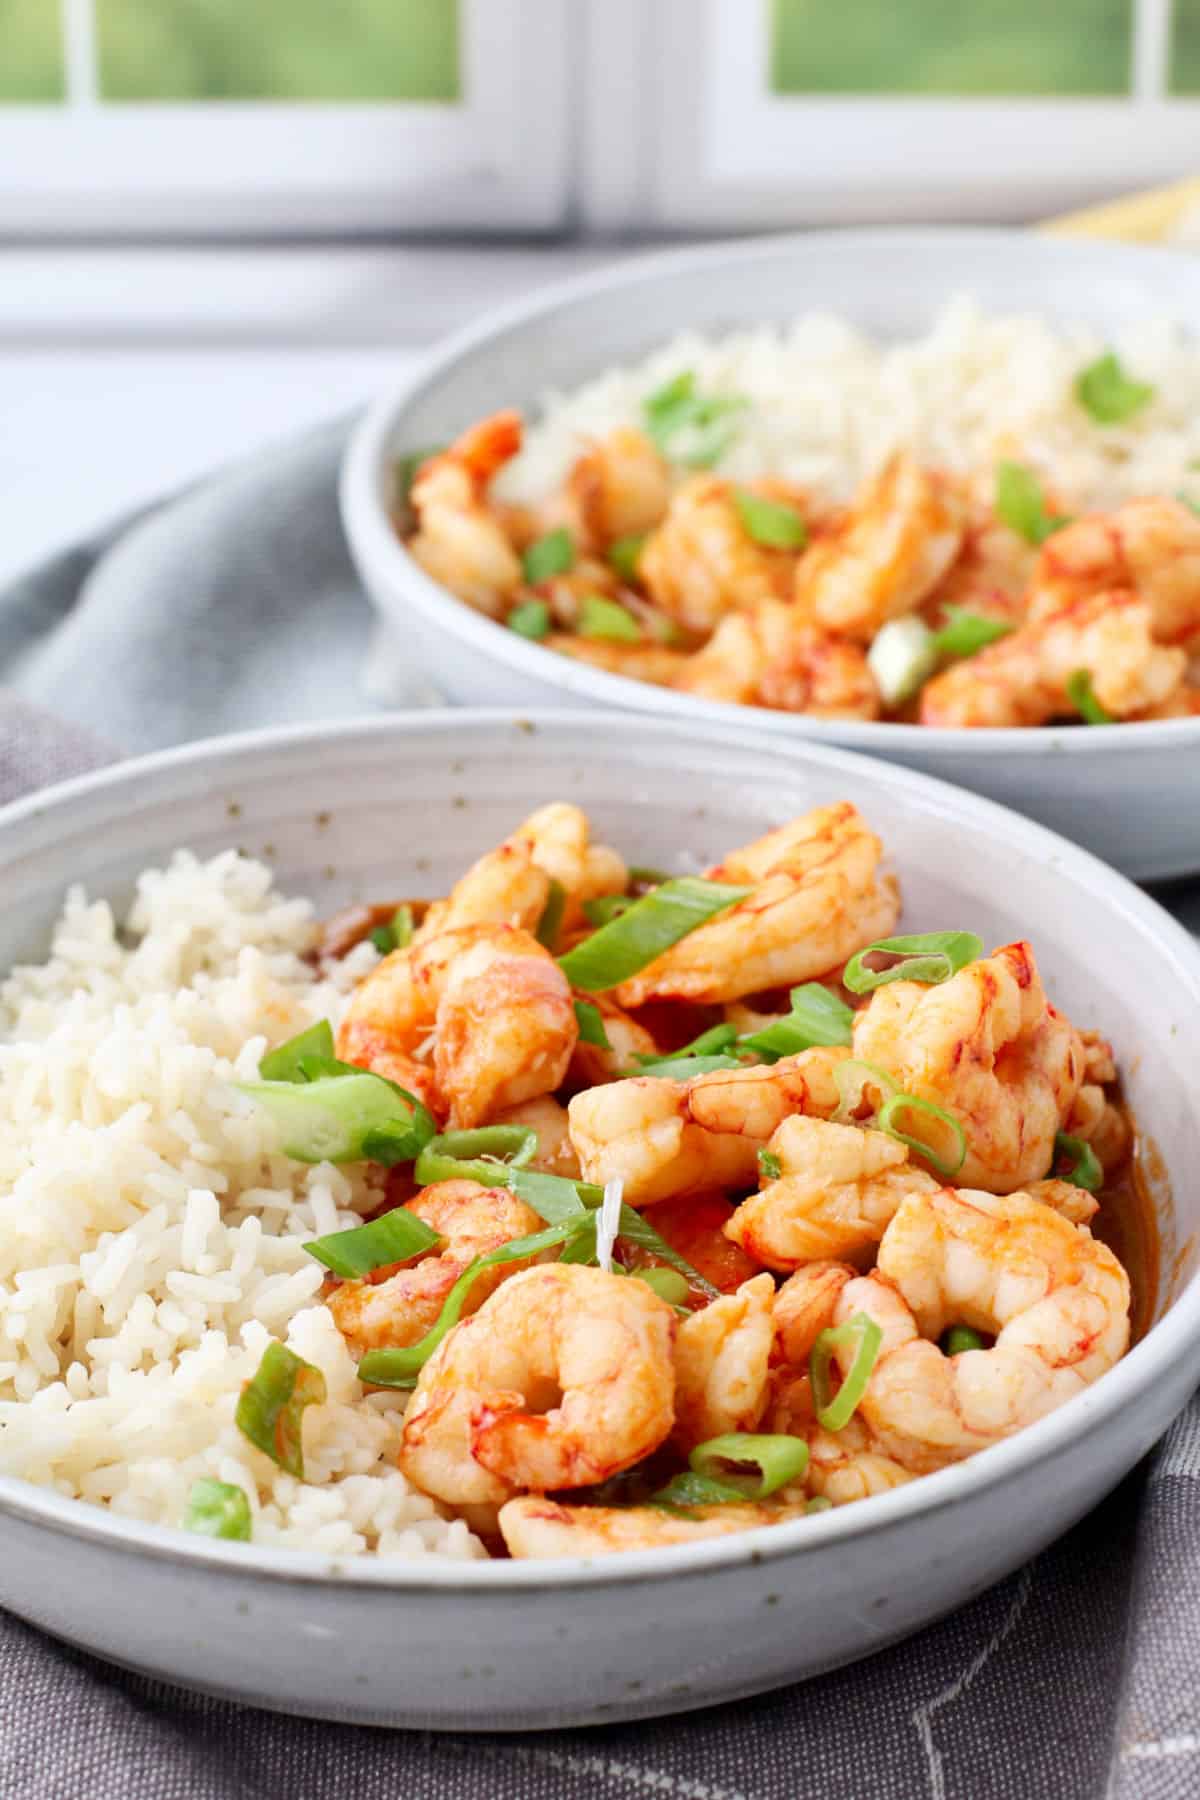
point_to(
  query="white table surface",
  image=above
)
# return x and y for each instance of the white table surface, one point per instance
(125, 373)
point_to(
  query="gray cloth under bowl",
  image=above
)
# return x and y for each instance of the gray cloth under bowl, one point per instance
(1077, 1678)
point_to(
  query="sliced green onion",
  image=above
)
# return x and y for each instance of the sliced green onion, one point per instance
(530, 620)
(668, 1284)
(270, 1408)
(966, 633)
(623, 555)
(930, 956)
(553, 554)
(767, 522)
(383, 938)
(819, 1504)
(683, 1067)
(1020, 503)
(218, 1509)
(709, 1043)
(550, 923)
(641, 876)
(769, 1166)
(459, 1155)
(1075, 1161)
(817, 1017)
(591, 1025)
(852, 1078)
(901, 659)
(604, 907)
(836, 1410)
(1186, 499)
(1082, 697)
(287, 1062)
(757, 1465)
(581, 1248)
(395, 935)
(607, 620)
(350, 1117)
(690, 1489)
(635, 1229)
(645, 930)
(393, 1237)
(960, 1338)
(554, 1198)
(898, 1103)
(689, 427)
(400, 1368)
(1105, 391)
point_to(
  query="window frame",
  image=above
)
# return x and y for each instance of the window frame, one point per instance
(497, 160)
(724, 152)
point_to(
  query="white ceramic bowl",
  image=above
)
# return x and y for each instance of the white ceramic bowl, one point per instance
(348, 810)
(1126, 792)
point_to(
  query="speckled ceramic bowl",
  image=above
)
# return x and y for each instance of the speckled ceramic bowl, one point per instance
(1126, 792)
(518, 1645)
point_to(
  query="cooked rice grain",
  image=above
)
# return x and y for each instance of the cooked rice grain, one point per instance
(151, 1239)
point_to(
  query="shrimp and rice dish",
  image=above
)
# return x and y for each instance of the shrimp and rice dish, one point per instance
(995, 525)
(585, 1208)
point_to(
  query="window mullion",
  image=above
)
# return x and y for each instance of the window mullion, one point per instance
(79, 52)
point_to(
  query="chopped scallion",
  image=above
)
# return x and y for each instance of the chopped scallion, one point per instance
(688, 427)
(682, 1067)
(607, 621)
(947, 1165)
(1021, 505)
(966, 633)
(350, 1117)
(482, 1155)
(550, 923)
(709, 1043)
(287, 1063)
(1105, 391)
(1082, 696)
(819, 1504)
(551, 555)
(689, 1489)
(865, 1337)
(769, 1166)
(1075, 1161)
(817, 1017)
(741, 1465)
(852, 1079)
(769, 523)
(394, 1237)
(645, 930)
(396, 934)
(218, 1509)
(590, 1021)
(668, 1284)
(270, 1408)
(603, 907)
(929, 956)
(530, 620)
(637, 1230)
(901, 659)
(959, 1338)
(623, 555)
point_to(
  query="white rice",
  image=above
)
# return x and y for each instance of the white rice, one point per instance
(151, 1238)
(828, 405)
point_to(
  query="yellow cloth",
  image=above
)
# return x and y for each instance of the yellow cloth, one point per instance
(1150, 217)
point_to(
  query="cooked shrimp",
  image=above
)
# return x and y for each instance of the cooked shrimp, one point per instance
(511, 884)
(397, 1309)
(702, 563)
(674, 1137)
(847, 1465)
(458, 540)
(1151, 547)
(1022, 679)
(1055, 1297)
(839, 1188)
(886, 556)
(495, 1004)
(655, 663)
(987, 1047)
(722, 1359)
(1071, 1202)
(543, 1115)
(773, 657)
(804, 1307)
(818, 896)
(534, 1526)
(990, 575)
(563, 1378)
(505, 1023)
(1100, 1123)
(692, 1224)
(620, 487)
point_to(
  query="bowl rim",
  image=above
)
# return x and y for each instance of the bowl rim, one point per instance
(1173, 1338)
(376, 546)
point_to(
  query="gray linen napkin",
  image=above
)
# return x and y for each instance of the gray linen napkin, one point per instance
(1075, 1679)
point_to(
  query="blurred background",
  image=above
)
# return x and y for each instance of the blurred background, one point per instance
(221, 219)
